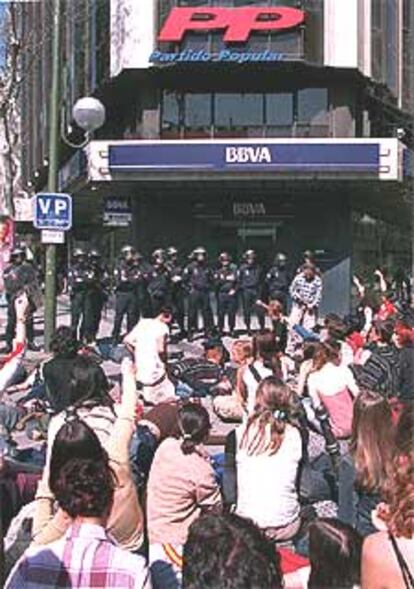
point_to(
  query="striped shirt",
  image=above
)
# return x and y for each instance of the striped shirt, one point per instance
(85, 557)
(306, 292)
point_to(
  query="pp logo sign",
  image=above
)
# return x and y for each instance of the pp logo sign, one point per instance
(53, 211)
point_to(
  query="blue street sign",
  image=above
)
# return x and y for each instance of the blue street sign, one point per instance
(53, 211)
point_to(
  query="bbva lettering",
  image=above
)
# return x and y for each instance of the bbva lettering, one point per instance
(237, 23)
(246, 155)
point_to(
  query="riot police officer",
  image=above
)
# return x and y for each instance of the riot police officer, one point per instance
(225, 279)
(177, 292)
(158, 281)
(79, 277)
(277, 280)
(97, 293)
(20, 276)
(250, 286)
(199, 280)
(127, 276)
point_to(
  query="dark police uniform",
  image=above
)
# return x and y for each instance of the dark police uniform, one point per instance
(277, 283)
(80, 275)
(96, 297)
(249, 282)
(158, 286)
(128, 277)
(177, 294)
(199, 280)
(19, 278)
(225, 279)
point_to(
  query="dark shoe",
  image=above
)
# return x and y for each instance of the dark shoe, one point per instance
(32, 347)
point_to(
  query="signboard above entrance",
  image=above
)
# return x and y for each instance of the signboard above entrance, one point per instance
(237, 24)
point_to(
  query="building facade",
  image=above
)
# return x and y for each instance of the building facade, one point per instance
(239, 124)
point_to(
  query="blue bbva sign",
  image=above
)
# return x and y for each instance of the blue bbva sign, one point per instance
(216, 156)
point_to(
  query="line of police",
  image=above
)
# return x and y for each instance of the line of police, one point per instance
(142, 288)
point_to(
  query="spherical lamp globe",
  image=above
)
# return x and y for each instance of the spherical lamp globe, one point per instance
(89, 113)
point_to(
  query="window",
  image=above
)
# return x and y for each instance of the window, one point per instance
(238, 110)
(197, 109)
(279, 109)
(170, 111)
(312, 105)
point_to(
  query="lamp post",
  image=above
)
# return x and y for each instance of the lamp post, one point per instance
(89, 115)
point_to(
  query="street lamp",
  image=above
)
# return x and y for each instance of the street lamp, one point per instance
(89, 114)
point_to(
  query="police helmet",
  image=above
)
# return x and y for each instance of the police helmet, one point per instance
(138, 256)
(17, 252)
(78, 252)
(308, 255)
(199, 253)
(95, 254)
(280, 258)
(172, 252)
(127, 250)
(249, 255)
(224, 257)
(158, 255)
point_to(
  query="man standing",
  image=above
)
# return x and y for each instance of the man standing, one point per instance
(148, 341)
(199, 279)
(177, 292)
(277, 280)
(20, 276)
(306, 293)
(158, 281)
(97, 293)
(127, 275)
(249, 280)
(225, 279)
(79, 276)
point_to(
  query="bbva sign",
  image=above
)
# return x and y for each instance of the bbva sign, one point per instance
(237, 24)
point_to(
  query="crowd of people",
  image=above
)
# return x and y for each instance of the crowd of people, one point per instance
(127, 483)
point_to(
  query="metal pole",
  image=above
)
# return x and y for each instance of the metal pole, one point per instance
(54, 138)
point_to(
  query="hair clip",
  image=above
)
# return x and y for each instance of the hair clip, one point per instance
(71, 415)
(280, 415)
(187, 436)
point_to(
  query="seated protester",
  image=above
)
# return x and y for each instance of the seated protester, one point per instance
(368, 306)
(380, 371)
(268, 453)
(336, 329)
(181, 485)
(306, 367)
(56, 371)
(264, 363)
(205, 375)
(148, 342)
(88, 428)
(11, 364)
(404, 340)
(85, 556)
(335, 555)
(159, 423)
(229, 552)
(388, 555)
(387, 309)
(279, 322)
(333, 387)
(231, 407)
(364, 472)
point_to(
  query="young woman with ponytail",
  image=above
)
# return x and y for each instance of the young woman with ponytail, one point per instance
(269, 450)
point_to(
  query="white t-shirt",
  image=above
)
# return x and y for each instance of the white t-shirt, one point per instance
(251, 383)
(147, 339)
(266, 483)
(330, 380)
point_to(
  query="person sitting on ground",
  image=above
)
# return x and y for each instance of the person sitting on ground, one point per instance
(265, 363)
(229, 552)
(181, 486)
(201, 376)
(404, 340)
(268, 454)
(335, 329)
(85, 556)
(333, 387)
(380, 371)
(231, 407)
(148, 342)
(388, 555)
(12, 362)
(91, 426)
(279, 322)
(335, 555)
(364, 472)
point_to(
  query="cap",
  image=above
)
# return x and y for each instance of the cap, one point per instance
(127, 249)
(78, 252)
